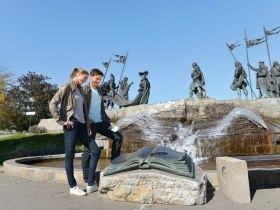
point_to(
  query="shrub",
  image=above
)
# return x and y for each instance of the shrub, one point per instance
(37, 129)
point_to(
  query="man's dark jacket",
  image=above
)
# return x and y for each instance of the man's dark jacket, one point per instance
(87, 92)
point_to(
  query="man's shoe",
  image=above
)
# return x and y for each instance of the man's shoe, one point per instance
(93, 188)
(77, 191)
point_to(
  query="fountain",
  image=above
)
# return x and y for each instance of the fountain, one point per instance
(227, 131)
(203, 129)
(202, 138)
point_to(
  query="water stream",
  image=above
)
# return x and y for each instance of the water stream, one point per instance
(226, 122)
(184, 138)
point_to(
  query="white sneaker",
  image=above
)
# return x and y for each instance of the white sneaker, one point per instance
(77, 191)
(93, 188)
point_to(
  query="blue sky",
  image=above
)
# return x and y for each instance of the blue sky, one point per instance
(51, 37)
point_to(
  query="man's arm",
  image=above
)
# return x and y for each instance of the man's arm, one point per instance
(253, 68)
(197, 74)
(277, 70)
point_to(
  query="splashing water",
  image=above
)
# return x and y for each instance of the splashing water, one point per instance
(154, 130)
(235, 113)
(187, 140)
(151, 128)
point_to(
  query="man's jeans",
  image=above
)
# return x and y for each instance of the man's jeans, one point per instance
(71, 135)
(103, 129)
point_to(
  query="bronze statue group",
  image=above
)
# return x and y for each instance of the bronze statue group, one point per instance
(118, 94)
(267, 81)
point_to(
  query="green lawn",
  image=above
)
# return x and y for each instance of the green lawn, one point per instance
(22, 145)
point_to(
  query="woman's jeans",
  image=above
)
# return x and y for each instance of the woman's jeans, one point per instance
(71, 135)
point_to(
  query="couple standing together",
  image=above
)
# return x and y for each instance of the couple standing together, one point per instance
(82, 114)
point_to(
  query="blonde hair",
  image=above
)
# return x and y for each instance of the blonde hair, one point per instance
(76, 71)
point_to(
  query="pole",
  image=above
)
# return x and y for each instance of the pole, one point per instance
(106, 70)
(249, 73)
(29, 121)
(266, 41)
(251, 88)
(122, 70)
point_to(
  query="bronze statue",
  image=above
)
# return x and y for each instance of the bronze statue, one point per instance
(275, 76)
(160, 158)
(144, 88)
(239, 80)
(263, 79)
(124, 88)
(198, 85)
(112, 92)
(110, 96)
(271, 85)
(143, 93)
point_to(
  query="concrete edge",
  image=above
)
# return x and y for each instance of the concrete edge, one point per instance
(16, 167)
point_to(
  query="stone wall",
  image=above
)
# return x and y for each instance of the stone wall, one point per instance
(204, 112)
(245, 138)
(200, 109)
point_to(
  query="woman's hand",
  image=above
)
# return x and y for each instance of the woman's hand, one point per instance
(69, 124)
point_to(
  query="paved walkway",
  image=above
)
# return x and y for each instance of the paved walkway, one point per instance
(19, 193)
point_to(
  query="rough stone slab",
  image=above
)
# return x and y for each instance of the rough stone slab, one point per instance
(154, 186)
(269, 107)
(233, 179)
(50, 125)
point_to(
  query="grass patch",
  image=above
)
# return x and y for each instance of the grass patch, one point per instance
(23, 145)
(277, 121)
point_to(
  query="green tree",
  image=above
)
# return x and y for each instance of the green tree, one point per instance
(5, 78)
(30, 92)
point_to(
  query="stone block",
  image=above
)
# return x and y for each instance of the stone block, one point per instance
(233, 179)
(154, 186)
(50, 125)
(212, 179)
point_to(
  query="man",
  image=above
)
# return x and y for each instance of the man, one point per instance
(198, 84)
(124, 88)
(275, 74)
(144, 88)
(111, 93)
(100, 122)
(239, 80)
(262, 79)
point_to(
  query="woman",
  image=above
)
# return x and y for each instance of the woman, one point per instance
(73, 115)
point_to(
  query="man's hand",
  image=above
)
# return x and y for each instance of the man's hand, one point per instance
(89, 132)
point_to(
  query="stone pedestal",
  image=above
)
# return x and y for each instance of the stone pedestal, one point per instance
(233, 179)
(51, 125)
(154, 186)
